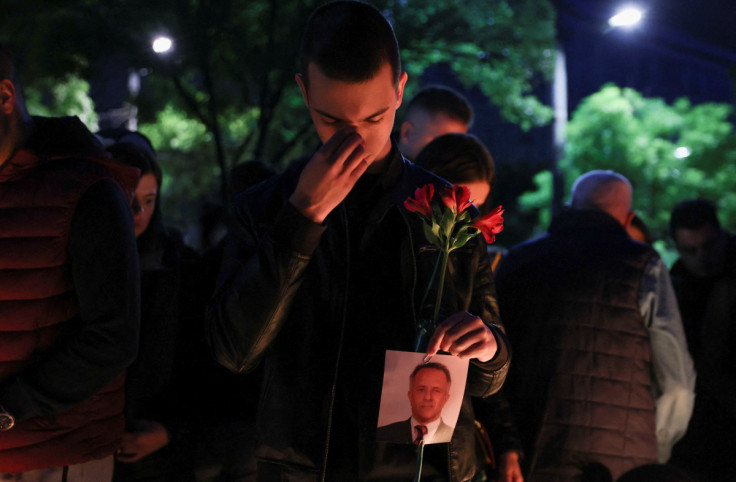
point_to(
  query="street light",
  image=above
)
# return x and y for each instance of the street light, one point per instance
(162, 44)
(626, 17)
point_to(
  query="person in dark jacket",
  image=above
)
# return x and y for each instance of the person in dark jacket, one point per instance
(601, 374)
(152, 449)
(326, 273)
(69, 295)
(463, 159)
(704, 277)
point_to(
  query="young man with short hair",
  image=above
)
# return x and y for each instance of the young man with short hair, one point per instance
(326, 274)
(434, 111)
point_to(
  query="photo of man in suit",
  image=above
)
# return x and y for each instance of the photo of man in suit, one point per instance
(429, 391)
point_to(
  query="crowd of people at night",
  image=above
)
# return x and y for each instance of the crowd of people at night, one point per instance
(126, 355)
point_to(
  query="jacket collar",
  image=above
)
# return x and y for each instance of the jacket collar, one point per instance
(593, 223)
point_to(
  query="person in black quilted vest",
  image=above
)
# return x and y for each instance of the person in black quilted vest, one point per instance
(602, 374)
(69, 295)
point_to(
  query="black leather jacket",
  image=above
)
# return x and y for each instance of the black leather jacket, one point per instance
(283, 296)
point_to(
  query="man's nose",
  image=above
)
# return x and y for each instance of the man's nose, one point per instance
(358, 129)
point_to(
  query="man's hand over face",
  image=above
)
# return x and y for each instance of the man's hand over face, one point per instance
(330, 175)
(463, 335)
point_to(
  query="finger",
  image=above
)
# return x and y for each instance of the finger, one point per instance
(360, 168)
(460, 340)
(462, 325)
(357, 164)
(346, 150)
(437, 337)
(484, 350)
(443, 334)
(454, 333)
(354, 159)
(470, 352)
(336, 140)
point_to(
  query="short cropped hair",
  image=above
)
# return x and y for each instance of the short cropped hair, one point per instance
(435, 365)
(349, 41)
(438, 99)
(459, 158)
(693, 214)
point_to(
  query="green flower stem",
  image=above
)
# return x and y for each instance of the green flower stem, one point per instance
(420, 460)
(431, 281)
(441, 287)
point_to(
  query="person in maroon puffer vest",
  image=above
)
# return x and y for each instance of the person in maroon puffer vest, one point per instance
(69, 295)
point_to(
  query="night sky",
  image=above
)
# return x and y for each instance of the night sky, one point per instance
(682, 48)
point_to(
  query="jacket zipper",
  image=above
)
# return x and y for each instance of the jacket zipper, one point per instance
(339, 347)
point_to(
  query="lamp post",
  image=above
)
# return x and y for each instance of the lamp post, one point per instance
(627, 17)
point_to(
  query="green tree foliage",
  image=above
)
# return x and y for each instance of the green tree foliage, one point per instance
(539, 201)
(226, 93)
(68, 96)
(502, 47)
(619, 129)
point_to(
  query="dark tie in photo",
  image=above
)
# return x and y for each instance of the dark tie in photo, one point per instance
(419, 432)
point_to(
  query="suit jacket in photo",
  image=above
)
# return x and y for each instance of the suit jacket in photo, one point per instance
(401, 432)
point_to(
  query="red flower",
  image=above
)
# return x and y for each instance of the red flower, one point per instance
(491, 224)
(420, 202)
(456, 197)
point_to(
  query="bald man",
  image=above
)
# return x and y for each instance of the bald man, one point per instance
(601, 370)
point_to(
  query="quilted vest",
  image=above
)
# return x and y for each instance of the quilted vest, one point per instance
(38, 306)
(581, 375)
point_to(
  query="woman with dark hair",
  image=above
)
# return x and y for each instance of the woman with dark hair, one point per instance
(461, 159)
(151, 449)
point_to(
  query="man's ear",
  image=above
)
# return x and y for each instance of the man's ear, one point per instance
(629, 219)
(300, 82)
(400, 89)
(405, 131)
(7, 97)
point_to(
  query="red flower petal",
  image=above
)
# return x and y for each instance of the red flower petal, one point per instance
(491, 224)
(420, 203)
(456, 197)
(463, 198)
